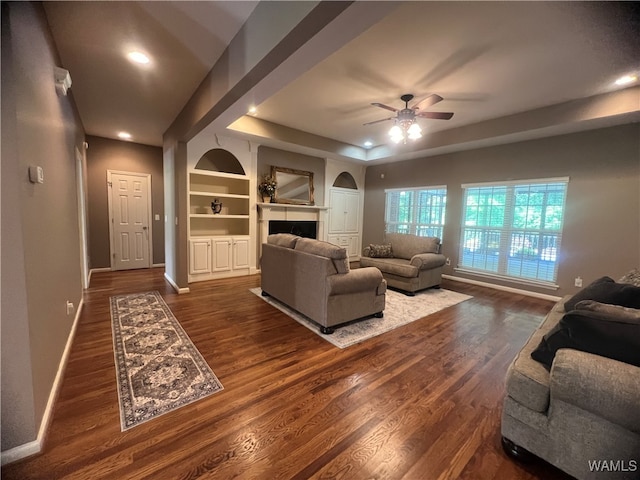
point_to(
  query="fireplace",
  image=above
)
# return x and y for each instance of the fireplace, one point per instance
(303, 228)
(304, 220)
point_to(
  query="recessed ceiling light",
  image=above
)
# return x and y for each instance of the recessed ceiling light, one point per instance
(138, 57)
(124, 135)
(368, 144)
(253, 110)
(626, 80)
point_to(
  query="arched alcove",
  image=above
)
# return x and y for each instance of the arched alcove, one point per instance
(345, 180)
(220, 160)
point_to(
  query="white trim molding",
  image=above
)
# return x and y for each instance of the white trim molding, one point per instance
(175, 286)
(527, 293)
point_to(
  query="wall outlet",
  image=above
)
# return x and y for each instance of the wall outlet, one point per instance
(578, 282)
(70, 307)
(448, 261)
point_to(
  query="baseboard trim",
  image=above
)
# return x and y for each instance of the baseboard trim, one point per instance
(157, 265)
(97, 270)
(21, 451)
(179, 290)
(34, 447)
(543, 296)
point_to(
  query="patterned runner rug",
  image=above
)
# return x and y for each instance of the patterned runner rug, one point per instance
(157, 366)
(399, 310)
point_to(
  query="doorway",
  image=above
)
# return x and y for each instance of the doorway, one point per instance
(129, 219)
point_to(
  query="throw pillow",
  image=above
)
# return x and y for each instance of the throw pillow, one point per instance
(593, 333)
(605, 290)
(633, 277)
(380, 251)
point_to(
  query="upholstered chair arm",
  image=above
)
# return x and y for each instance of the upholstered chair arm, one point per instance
(605, 387)
(427, 261)
(358, 280)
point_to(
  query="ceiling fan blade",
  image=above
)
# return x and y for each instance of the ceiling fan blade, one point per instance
(427, 102)
(378, 121)
(436, 115)
(386, 107)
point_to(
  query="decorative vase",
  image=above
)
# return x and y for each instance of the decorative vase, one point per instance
(216, 206)
(266, 199)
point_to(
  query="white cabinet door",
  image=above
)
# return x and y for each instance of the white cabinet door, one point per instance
(240, 253)
(222, 249)
(337, 207)
(352, 212)
(345, 212)
(200, 256)
(354, 246)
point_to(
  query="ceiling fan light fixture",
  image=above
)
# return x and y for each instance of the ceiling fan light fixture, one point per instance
(396, 134)
(414, 131)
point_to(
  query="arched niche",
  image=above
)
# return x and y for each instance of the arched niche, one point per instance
(220, 160)
(345, 180)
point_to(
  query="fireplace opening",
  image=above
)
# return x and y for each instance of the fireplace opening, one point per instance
(307, 229)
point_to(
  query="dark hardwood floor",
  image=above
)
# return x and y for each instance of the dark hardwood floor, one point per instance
(421, 402)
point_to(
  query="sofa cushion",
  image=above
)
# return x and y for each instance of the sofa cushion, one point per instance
(325, 249)
(394, 266)
(611, 311)
(528, 380)
(616, 337)
(286, 240)
(606, 290)
(380, 251)
(406, 246)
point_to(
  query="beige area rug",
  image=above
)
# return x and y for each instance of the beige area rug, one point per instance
(400, 309)
(157, 366)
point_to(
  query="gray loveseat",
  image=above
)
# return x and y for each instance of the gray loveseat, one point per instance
(574, 407)
(407, 262)
(314, 278)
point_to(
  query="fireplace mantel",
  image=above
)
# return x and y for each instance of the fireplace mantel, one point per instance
(284, 206)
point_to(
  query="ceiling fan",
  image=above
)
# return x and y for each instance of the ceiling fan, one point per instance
(405, 119)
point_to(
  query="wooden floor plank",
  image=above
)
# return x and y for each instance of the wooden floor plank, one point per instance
(420, 402)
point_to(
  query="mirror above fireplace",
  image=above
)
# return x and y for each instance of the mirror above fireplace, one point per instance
(293, 186)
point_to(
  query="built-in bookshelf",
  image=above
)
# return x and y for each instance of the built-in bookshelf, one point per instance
(231, 190)
(218, 242)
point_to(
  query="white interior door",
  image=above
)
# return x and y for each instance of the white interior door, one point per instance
(130, 214)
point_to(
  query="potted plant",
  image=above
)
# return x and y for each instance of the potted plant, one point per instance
(267, 188)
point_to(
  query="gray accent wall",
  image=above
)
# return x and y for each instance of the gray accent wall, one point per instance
(40, 227)
(601, 233)
(105, 154)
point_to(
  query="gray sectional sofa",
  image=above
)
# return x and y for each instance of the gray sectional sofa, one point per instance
(407, 262)
(573, 391)
(314, 278)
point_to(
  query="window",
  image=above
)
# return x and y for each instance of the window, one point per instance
(419, 211)
(513, 229)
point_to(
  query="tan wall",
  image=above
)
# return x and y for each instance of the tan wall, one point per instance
(602, 226)
(105, 154)
(40, 232)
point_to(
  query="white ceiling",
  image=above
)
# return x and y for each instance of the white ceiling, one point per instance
(487, 59)
(183, 39)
